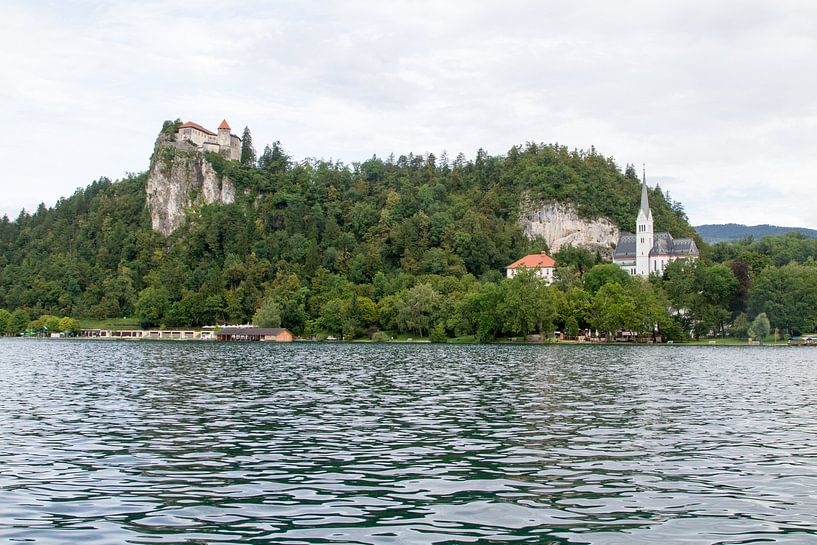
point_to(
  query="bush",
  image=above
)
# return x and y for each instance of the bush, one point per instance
(437, 334)
(380, 337)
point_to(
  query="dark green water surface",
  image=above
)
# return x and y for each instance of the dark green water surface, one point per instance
(139, 442)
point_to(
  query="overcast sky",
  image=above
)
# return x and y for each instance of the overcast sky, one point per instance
(718, 99)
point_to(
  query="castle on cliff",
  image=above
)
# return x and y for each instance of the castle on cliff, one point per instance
(223, 142)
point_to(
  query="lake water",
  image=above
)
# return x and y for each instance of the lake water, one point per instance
(198, 443)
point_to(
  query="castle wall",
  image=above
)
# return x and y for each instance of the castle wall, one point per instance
(224, 138)
(235, 147)
(229, 145)
(195, 136)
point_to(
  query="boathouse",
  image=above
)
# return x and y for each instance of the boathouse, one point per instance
(268, 334)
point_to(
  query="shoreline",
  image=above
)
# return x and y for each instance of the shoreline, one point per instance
(453, 342)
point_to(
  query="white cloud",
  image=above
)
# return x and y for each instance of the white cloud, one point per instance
(716, 99)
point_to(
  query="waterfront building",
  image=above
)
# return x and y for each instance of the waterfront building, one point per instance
(269, 334)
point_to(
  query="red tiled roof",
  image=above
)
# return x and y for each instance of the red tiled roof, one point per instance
(197, 127)
(533, 261)
(224, 125)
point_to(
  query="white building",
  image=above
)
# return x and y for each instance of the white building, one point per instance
(646, 252)
(222, 142)
(542, 264)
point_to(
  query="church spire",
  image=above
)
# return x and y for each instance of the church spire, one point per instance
(645, 202)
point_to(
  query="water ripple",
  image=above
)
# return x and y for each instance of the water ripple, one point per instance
(105, 442)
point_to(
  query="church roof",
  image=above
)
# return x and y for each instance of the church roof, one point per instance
(224, 125)
(196, 126)
(625, 247)
(533, 261)
(684, 246)
(663, 244)
(645, 201)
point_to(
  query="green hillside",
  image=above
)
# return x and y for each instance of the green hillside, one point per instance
(306, 234)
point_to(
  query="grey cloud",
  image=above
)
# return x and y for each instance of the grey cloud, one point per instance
(716, 98)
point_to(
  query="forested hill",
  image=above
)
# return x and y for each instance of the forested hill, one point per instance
(309, 231)
(721, 232)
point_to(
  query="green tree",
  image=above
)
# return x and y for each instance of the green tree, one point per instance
(740, 326)
(69, 325)
(366, 311)
(5, 320)
(478, 312)
(526, 305)
(417, 309)
(518, 308)
(580, 259)
(437, 333)
(571, 326)
(718, 290)
(247, 150)
(704, 293)
(18, 322)
(600, 275)
(152, 305)
(760, 327)
(332, 318)
(787, 295)
(614, 309)
(268, 314)
(51, 323)
(290, 296)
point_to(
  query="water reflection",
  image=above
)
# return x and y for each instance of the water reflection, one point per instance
(200, 443)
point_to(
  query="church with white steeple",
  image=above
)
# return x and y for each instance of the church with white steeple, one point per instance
(647, 252)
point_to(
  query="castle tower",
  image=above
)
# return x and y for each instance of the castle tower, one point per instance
(224, 137)
(644, 232)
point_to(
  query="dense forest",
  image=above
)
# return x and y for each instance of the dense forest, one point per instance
(414, 244)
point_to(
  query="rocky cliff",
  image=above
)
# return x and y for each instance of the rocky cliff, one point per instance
(560, 224)
(179, 178)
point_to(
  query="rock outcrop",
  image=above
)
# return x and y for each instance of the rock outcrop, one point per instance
(560, 224)
(181, 177)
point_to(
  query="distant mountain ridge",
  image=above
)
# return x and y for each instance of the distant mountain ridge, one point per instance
(720, 232)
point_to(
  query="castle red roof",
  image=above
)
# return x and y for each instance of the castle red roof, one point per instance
(533, 261)
(196, 126)
(224, 125)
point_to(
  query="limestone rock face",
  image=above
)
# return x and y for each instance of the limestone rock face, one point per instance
(559, 224)
(180, 178)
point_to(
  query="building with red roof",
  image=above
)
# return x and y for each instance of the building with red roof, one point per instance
(541, 264)
(223, 142)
